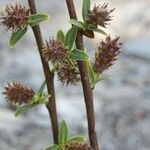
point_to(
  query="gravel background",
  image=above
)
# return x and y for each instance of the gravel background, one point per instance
(122, 104)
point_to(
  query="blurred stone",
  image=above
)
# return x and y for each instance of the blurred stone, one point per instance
(138, 46)
(121, 103)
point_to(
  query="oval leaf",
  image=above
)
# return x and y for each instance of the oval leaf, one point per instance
(63, 133)
(23, 109)
(99, 78)
(37, 18)
(100, 31)
(78, 55)
(94, 78)
(77, 138)
(38, 99)
(16, 36)
(60, 36)
(91, 73)
(70, 37)
(86, 8)
(41, 89)
(54, 147)
(97, 30)
(77, 23)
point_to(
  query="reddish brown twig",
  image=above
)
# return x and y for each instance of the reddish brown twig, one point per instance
(88, 95)
(49, 76)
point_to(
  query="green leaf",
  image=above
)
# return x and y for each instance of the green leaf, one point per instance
(37, 18)
(54, 147)
(70, 37)
(78, 55)
(60, 36)
(16, 36)
(63, 133)
(23, 109)
(77, 138)
(77, 23)
(99, 78)
(38, 99)
(100, 31)
(94, 77)
(97, 30)
(91, 73)
(41, 89)
(85, 8)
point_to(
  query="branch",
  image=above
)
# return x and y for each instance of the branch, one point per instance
(49, 76)
(88, 95)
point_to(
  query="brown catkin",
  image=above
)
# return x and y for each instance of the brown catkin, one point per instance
(14, 17)
(100, 15)
(75, 145)
(54, 51)
(107, 54)
(17, 93)
(68, 74)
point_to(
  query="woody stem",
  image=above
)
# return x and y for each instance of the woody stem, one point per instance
(88, 94)
(49, 76)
